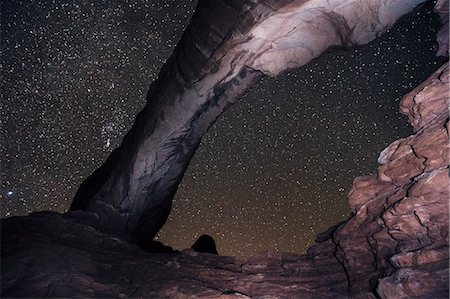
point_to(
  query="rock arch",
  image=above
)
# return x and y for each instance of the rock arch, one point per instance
(228, 46)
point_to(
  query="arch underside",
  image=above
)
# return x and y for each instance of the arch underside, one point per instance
(227, 47)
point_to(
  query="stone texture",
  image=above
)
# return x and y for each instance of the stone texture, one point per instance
(227, 46)
(417, 220)
(400, 223)
(54, 256)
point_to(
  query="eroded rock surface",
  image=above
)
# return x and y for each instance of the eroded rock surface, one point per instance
(54, 256)
(400, 227)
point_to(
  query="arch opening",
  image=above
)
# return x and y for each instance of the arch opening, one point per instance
(274, 171)
(205, 76)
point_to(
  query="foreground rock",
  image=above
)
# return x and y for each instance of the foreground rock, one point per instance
(54, 256)
(400, 227)
(394, 246)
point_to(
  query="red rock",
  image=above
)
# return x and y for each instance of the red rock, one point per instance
(408, 283)
(420, 257)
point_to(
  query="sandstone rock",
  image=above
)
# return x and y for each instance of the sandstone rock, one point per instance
(410, 283)
(54, 256)
(420, 257)
(428, 102)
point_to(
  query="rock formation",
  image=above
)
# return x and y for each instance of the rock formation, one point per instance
(399, 230)
(205, 243)
(227, 46)
(395, 244)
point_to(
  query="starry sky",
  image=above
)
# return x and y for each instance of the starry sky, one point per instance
(273, 171)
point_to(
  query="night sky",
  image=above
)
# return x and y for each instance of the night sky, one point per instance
(272, 172)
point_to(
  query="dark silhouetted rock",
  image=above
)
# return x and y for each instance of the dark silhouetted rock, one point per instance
(205, 243)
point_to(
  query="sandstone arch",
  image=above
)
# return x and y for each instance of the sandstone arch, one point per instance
(228, 45)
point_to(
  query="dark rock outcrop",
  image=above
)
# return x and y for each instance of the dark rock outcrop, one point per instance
(400, 227)
(54, 256)
(156, 247)
(205, 243)
(227, 46)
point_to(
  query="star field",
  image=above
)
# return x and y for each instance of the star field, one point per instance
(271, 173)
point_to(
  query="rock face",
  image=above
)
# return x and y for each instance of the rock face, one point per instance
(228, 45)
(400, 227)
(416, 213)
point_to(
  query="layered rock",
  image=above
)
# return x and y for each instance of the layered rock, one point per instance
(228, 45)
(418, 223)
(400, 227)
